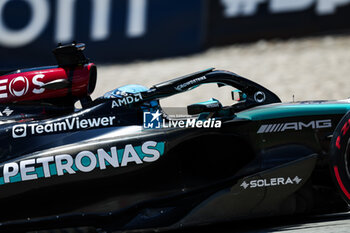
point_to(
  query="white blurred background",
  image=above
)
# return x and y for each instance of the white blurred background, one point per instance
(312, 68)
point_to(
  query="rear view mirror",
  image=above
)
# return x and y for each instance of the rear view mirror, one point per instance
(238, 95)
(211, 105)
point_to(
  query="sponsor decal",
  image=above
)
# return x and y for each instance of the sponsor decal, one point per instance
(84, 161)
(19, 86)
(127, 100)
(259, 97)
(19, 81)
(191, 82)
(7, 111)
(68, 124)
(244, 8)
(65, 17)
(192, 123)
(153, 120)
(276, 181)
(296, 126)
(19, 131)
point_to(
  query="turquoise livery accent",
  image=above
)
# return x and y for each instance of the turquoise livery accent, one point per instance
(274, 111)
(211, 101)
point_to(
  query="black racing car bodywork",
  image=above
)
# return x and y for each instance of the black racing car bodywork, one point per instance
(104, 166)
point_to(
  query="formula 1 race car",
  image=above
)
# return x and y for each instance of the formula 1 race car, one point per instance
(120, 162)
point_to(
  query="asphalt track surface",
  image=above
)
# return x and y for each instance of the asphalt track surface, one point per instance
(339, 222)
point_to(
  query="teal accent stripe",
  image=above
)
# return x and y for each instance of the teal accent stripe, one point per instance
(160, 147)
(211, 101)
(53, 169)
(16, 178)
(280, 111)
(120, 155)
(40, 172)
